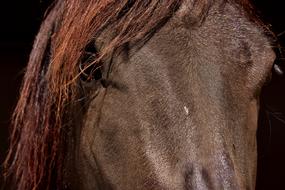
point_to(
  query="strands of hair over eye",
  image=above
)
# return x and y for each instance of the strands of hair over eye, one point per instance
(38, 139)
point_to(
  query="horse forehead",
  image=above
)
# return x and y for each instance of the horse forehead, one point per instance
(219, 25)
(226, 42)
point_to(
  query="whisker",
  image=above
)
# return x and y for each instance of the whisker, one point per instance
(275, 46)
(281, 34)
(277, 117)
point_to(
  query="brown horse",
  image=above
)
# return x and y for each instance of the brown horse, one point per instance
(141, 94)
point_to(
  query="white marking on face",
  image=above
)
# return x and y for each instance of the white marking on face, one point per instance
(186, 110)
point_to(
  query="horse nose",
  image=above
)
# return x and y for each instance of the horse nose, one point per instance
(197, 178)
(200, 177)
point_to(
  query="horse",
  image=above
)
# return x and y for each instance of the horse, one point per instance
(142, 94)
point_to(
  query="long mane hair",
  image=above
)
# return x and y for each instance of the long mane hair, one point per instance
(38, 137)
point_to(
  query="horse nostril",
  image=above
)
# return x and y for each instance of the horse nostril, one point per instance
(279, 65)
(278, 70)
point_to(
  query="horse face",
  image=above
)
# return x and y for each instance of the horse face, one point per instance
(180, 112)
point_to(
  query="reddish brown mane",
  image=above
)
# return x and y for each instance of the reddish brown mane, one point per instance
(37, 140)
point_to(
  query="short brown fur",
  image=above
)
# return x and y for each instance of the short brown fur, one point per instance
(38, 138)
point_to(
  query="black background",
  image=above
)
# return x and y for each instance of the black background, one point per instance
(19, 22)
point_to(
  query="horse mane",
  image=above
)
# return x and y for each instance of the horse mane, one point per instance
(38, 137)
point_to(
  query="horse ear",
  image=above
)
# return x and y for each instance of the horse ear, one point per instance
(192, 12)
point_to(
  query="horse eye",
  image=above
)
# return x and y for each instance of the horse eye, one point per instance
(90, 73)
